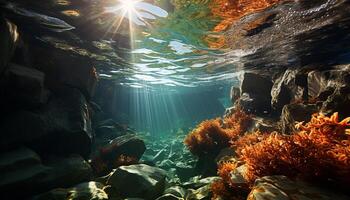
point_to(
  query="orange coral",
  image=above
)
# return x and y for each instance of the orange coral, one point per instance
(211, 136)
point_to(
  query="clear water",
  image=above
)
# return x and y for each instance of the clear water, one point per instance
(172, 66)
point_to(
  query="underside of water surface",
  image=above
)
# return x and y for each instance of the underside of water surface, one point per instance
(175, 99)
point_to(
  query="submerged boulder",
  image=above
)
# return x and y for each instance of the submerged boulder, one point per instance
(89, 190)
(338, 102)
(123, 150)
(24, 174)
(255, 94)
(62, 126)
(293, 113)
(282, 188)
(291, 86)
(138, 181)
(8, 37)
(235, 93)
(24, 86)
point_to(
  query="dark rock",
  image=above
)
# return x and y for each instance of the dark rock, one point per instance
(138, 181)
(61, 127)
(293, 113)
(282, 188)
(321, 83)
(62, 69)
(24, 86)
(128, 145)
(255, 94)
(8, 37)
(22, 168)
(88, 190)
(339, 102)
(289, 87)
(253, 83)
(256, 104)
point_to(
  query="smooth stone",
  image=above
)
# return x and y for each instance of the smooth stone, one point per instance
(138, 181)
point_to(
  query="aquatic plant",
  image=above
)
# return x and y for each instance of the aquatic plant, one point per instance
(207, 137)
(211, 136)
(320, 151)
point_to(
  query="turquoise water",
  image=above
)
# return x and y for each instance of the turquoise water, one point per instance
(163, 58)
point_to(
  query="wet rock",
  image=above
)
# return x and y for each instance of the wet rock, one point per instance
(264, 125)
(176, 191)
(282, 188)
(63, 68)
(22, 168)
(289, 87)
(24, 86)
(253, 83)
(237, 176)
(138, 181)
(338, 102)
(169, 197)
(8, 37)
(317, 82)
(127, 146)
(255, 94)
(293, 113)
(235, 93)
(197, 182)
(89, 190)
(321, 84)
(62, 126)
(203, 193)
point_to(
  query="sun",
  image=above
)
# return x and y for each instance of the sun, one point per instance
(128, 5)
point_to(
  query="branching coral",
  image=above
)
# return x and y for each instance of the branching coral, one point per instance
(211, 136)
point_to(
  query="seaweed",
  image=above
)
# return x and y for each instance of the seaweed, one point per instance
(211, 136)
(319, 151)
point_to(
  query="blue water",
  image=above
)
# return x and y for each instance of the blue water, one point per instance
(164, 72)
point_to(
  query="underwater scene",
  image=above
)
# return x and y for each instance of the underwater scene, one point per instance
(175, 99)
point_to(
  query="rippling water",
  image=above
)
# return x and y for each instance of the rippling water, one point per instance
(190, 43)
(175, 51)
